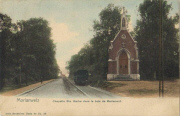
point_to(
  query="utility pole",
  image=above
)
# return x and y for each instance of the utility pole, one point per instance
(179, 41)
(0, 59)
(179, 49)
(1, 70)
(161, 62)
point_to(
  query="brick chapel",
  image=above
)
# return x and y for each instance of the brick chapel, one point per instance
(123, 63)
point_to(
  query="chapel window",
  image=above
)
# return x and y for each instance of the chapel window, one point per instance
(123, 22)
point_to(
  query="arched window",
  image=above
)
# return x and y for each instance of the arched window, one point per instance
(123, 22)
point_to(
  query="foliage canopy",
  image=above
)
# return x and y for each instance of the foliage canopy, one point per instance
(147, 36)
(28, 52)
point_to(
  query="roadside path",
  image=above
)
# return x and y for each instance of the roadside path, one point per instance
(23, 89)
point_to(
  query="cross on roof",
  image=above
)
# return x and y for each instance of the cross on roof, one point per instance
(124, 11)
(123, 45)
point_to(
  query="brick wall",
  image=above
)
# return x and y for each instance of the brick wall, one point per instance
(112, 67)
(117, 45)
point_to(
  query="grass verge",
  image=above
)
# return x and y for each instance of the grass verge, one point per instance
(141, 88)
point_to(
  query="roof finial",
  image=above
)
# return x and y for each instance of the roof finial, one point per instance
(124, 11)
(123, 19)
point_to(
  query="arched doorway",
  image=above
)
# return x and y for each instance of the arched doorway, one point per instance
(123, 63)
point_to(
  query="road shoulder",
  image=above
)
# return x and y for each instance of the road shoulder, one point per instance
(25, 89)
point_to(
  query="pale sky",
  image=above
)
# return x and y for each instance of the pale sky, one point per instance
(71, 20)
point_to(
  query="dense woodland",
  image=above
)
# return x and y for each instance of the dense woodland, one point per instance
(147, 36)
(27, 52)
(94, 55)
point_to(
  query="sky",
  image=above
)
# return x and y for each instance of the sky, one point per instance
(71, 20)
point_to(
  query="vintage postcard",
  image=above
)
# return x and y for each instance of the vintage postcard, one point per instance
(89, 57)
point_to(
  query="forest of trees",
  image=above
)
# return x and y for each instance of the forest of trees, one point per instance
(147, 36)
(94, 55)
(27, 53)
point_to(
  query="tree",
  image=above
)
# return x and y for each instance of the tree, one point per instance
(147, 36)
(94, 56)
(5, 34)
(27, 52)
(36, 51)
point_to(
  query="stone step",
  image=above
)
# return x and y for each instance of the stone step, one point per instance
(123, 77)
(123, 80)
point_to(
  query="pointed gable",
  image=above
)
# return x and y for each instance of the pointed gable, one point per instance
(123, 54)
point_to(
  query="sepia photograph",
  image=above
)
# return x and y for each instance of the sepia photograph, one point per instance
(89, 57)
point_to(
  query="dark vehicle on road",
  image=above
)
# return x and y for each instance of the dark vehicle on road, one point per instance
(81, 77)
